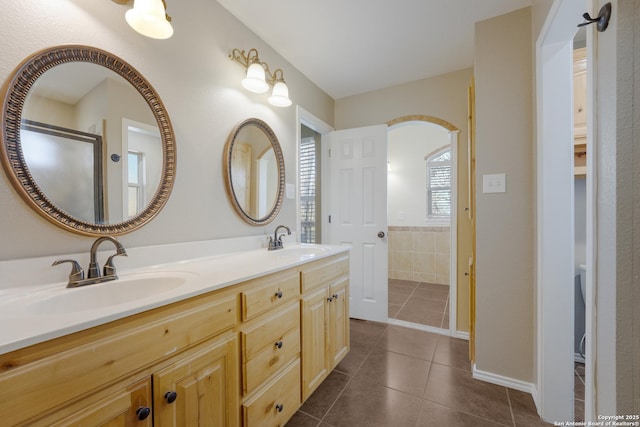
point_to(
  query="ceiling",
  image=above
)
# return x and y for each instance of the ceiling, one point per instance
(355, 46)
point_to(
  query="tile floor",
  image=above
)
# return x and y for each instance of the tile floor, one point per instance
(419, 302)
(578, 390)
(400, 377)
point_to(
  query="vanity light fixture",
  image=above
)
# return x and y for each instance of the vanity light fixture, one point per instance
(149, 18)
(259, 77)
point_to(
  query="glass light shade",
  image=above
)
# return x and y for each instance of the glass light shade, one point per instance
(255, 79)
(148, 17)
(280, 95)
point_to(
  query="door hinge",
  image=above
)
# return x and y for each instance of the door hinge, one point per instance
(329, 152)
(329, 219)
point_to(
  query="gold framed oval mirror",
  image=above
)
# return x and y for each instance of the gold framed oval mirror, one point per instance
(253, 167)
(86, 140)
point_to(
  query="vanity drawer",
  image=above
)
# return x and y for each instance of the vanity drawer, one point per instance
(277, 402)
(272, 291)
(268, 346)
(324, 271)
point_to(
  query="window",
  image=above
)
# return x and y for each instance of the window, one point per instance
(309, 171)
(135, 184)
(439, 184)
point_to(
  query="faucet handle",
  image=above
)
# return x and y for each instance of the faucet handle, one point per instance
(109, 268)
(77, 273)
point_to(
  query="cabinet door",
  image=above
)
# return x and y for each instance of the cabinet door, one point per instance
(315, 362)
(201, 389)
(118, 410)
(338, 321)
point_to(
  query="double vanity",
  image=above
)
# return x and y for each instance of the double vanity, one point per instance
(191, 334)
(231, 339)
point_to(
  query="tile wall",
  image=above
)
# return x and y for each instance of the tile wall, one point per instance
(420, 254)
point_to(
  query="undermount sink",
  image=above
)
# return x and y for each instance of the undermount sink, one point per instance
(301, 251)
(107, 294)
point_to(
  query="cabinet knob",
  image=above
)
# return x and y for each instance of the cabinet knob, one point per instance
(335, 296)
(279, 407)
(279, 344)
(143, 412)
(330, 299)
(279, 294)
(171, 396)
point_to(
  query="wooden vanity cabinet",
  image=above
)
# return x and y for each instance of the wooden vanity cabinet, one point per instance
(325, 319)
(249, 355)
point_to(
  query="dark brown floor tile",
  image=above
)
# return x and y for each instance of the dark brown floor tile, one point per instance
(325, 395)
(445, 321)
(433, 414)
(366, 332)
(433, 286)
(393, 310)
(376, 406)
(393, 370)
(424, 317)
(354, 358)
(524, 409)
(404, 289)
(410, 342)
(301, 419)
(431, 294)
(455, 388)
(452, 352)
(397, 299)
(579, 410)
(418, 303)
(578, 387)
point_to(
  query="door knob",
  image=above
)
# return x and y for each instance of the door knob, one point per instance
(381, 234)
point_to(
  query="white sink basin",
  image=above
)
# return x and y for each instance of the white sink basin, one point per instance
(301, 251)
(123, 290)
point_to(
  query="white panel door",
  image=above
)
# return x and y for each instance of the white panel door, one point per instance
(358, 209)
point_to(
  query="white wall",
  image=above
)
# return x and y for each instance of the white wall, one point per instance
(504, 240)
(200, 88)
(406, 182)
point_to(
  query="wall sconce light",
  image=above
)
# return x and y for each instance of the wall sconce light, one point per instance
(149, 18)
(259, 77)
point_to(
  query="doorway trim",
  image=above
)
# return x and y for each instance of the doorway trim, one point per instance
(554, 394)
(453, 247)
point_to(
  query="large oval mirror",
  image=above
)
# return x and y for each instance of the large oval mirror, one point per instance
(254, 172)
(87, 141)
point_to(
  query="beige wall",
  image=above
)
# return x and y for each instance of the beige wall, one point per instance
(444, 97)
(201, 90)
(420, 254)
(504, 246)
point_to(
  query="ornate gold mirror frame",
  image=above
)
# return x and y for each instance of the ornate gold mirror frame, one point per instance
(14, 94)
(227, 159)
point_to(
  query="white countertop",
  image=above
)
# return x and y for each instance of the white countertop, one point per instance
(26, 323)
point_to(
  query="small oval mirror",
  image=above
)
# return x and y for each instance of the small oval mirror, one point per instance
(253, 166)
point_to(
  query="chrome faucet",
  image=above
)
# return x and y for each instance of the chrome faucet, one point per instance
(76, 277)
(275, 242)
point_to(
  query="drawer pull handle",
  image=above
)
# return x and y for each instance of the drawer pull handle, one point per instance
(171, 396)
(279, 294)
(279, 407)
(143, 412)
(279, 344)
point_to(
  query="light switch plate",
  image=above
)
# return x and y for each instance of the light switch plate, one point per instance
(494, 183)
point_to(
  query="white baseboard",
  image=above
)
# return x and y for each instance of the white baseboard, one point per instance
(503, 381)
